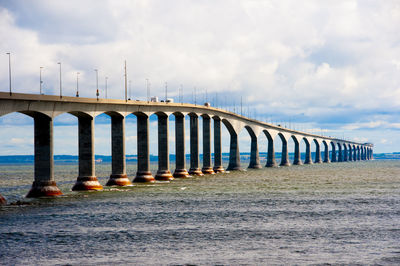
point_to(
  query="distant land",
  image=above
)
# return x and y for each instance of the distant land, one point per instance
(16, 159)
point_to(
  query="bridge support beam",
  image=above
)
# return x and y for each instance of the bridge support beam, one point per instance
(163, 173)
(350, 156)
(254, 154)
(317, 153)
(87, 179)
(143, 174)
(285, 153)
(194, 146)
(234, 154)
(118, 165)
(44, 184)
(180, 157)
(297, 154)
(354, 154)
(207, 168)
(271, 162)
(308, 159)
(358, 154)
(218, 168)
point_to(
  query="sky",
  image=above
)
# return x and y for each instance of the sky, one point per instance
(326, 67)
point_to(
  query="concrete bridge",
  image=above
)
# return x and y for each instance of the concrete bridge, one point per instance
(44, 108)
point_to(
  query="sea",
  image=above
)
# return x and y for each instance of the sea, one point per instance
(323, 214)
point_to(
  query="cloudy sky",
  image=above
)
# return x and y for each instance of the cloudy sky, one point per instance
(330, 67)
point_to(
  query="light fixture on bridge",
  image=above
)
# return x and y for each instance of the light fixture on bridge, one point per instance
(60, 80)
(97, 83)
(77, 84)
(9, 70)
(40, 80)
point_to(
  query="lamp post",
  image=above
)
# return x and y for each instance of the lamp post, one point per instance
(60, 80)
(148, 90)
(40, 80)
(97, 83)
(77, 84)
(9, 70)
(106, 86)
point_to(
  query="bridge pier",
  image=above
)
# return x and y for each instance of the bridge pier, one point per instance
(86, 179)
(163, 173)
(334, 159)
(194, 146)
(354, 154)
(143, 173)
(308, 159)
(118, 175)
(218, 168)
(207, 168)
(44, 184)
(340, 153)
(254, 154)
(285, 153)
(326, 153)
(271, 162)
(350, 156)
(359, 154)
(234, 154)
(317, 153)
(297, 154)
(180, 157)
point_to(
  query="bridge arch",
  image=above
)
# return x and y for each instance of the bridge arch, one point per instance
(234, 153)
(297, 150)
(285, 153)
(254, 152)
(326, 151)
(334, 152)
(317, 143)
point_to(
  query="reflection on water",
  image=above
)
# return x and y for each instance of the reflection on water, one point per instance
(328, 213)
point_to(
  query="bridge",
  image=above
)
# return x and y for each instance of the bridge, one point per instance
(44, 108)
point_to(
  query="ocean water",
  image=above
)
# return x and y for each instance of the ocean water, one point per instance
(338, 213)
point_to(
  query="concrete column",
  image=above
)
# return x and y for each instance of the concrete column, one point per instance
(326, 153)
(345, 153)
(194, 146)
(372, 154)
(350, 154)
(87, 179)
(118, 165)
(354, 154)
(297, 154)
(271, 162)
(254, 154)
(44, 184)
(308, 153)
(207, 168)
(363, 153)
(340, 153)
(180, 156)
(143, 164)
(285, 153)
(218, 168)
(359, 154)
(333, 153)
(163, 173)
(317, 153)
(234, 154)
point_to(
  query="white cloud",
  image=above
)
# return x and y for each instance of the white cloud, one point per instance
(321, 61)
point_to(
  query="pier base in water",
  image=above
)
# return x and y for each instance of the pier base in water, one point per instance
(120, 180)
(84, 183)
(164, 175)
(219, 169)
(44, 189)
(144, 177)
(208, 171)
(195, 171)
(181, 173)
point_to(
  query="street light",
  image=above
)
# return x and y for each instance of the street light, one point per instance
(148, 90)
(9, 70)
(40, 80)
(77, 84)
(97, 83)
(60, 80)
(106, 86)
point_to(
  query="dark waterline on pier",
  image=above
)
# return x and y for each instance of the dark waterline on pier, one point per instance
(328, 213)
